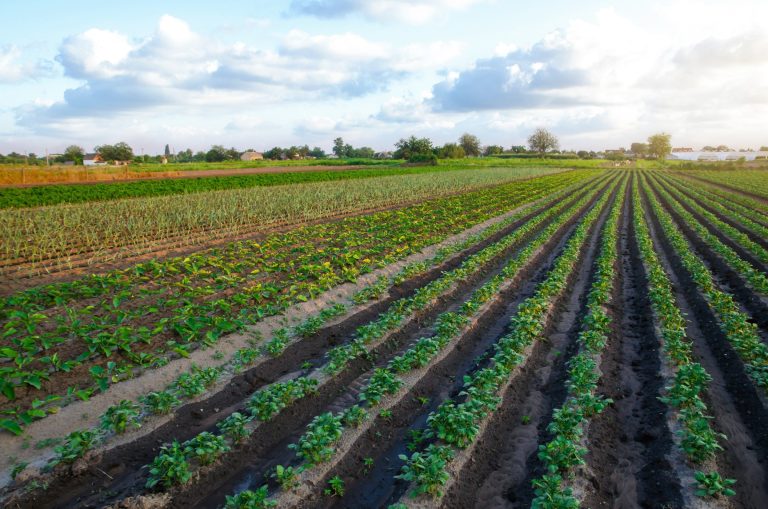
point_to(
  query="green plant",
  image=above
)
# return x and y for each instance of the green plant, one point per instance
(427, 469)
(118, 417)
(713, 485)
(160, 403)
(206, 447)
(75, 446)
(287, 477)
(170, 467)
(234, 427)
(249, 499)
(316, 445)
(335, 487)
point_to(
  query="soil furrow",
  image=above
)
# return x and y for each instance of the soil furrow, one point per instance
(629, 443)
(504, 458)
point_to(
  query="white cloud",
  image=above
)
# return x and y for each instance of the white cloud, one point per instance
(414, 12)
(176, 66)
(14, 70)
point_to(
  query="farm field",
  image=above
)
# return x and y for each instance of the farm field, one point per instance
(484, 337)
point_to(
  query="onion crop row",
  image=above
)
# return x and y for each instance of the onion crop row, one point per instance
(66, 230)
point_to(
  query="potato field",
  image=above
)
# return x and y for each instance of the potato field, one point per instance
(476, 338)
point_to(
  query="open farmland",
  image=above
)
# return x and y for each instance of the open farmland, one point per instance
(493, 337)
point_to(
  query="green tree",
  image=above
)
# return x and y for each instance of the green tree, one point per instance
(407, 148)
(518, 149)
(493, 150)
(471, 144)
(317, 152)
(763, 149)
(660, 145)
(216, 154)
(338, 147)
(452, 151)
(117, 152)
(74, 153)
(542, 141)
(639, 149)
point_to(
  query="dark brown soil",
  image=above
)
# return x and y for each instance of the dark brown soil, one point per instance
(630, 441)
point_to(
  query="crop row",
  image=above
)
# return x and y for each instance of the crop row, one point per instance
(46, 195)
(750, 181)
(740, 332)
(731, 195)
(696, 437)
(732, 211)
(64, 231)
(729, 231)
(569, 422)
(455, 425)
(316, 445)
(756, 278)
(192, 322)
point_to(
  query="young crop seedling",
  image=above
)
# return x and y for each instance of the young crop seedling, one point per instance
(249, 499)
(118, 417)
(335, 487)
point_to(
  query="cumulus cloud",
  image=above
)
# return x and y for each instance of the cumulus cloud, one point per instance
(13, 69)
(413, 12)
(177, 66)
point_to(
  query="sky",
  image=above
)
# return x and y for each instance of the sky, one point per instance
(257, 74)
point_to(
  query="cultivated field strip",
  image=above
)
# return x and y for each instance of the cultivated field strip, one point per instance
(734, 396)
(438, 467)
(65, 231)
(135, 316)
(601, 342)
(358, 364)
(747, 220)
(285, 342)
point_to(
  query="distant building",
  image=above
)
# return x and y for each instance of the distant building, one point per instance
(251, 156)
(682, 149)
(93, 160)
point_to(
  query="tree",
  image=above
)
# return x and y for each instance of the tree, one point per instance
(763, 149)
(167, 152)
(216, 154)
(274, 153)
(74, 153)
(639, 149)
(518, 149)
(471, 144)
(542, 141)
(338, 147)
(317, 152)
(407, 148)
(660, 145)
(117, 152)
(452, 151)
(492, 150)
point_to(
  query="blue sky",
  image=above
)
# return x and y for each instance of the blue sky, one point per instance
(257, 74)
